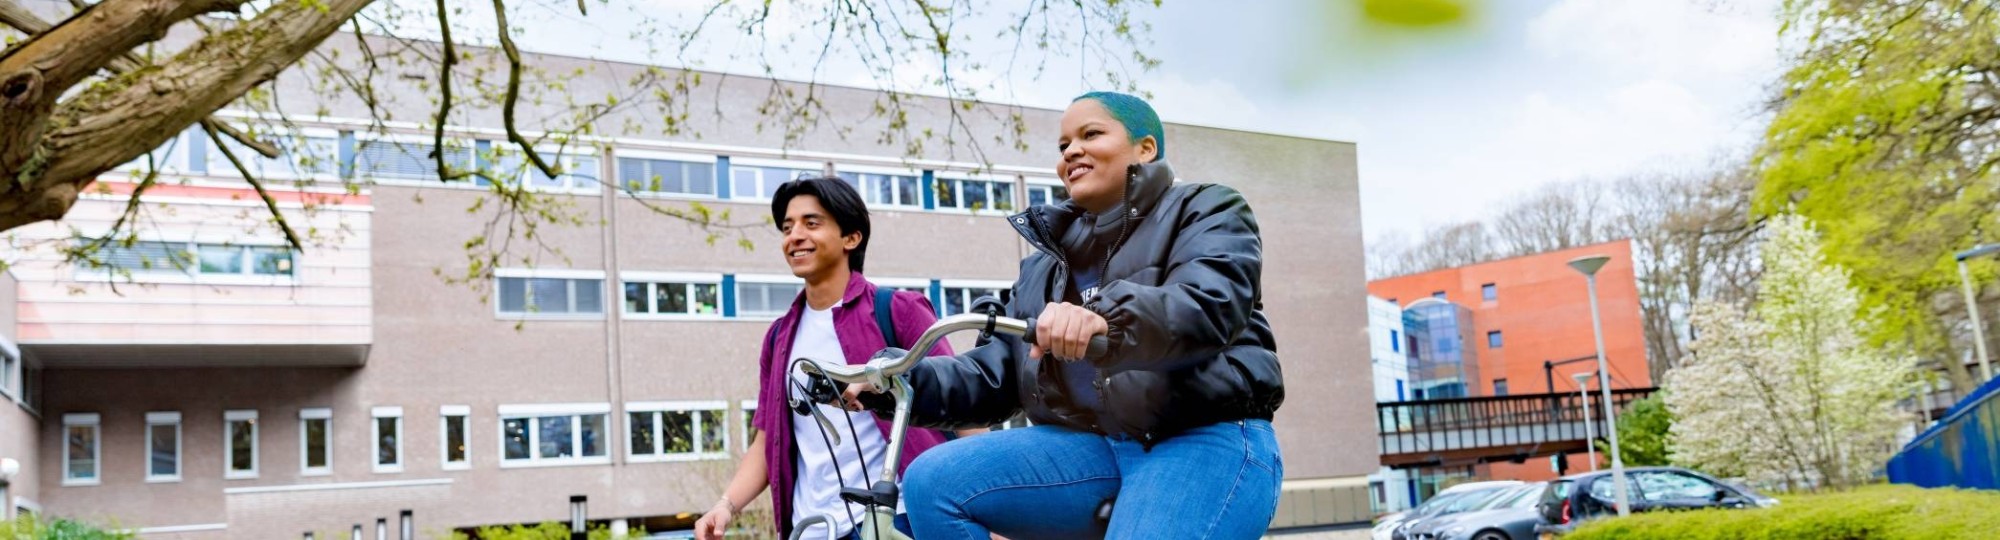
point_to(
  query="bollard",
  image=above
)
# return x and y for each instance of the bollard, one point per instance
(576, 517)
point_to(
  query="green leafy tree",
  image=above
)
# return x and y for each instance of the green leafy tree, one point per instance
(1642, 433)
(1884, 133)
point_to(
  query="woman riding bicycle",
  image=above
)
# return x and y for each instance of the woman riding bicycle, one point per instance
(1172, 421)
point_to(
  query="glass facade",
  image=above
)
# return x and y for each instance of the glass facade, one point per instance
(1441, 366)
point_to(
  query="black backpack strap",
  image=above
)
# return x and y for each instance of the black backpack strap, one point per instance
(885, 315)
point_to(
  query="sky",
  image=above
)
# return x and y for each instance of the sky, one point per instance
(1450, 122)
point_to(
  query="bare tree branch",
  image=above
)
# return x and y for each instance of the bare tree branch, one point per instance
(291, 237)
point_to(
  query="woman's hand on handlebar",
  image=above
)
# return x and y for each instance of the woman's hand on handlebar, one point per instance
(712, 524)
(1065, 329)
(851, 398)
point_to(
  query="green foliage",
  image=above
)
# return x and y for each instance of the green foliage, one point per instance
(1881, 135)
(28, 527)
(1642, 433)
(547, 530)
(1890, 512)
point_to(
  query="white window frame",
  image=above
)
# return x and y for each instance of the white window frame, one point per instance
(96, 425)
(653, 155)
(10, 371)
(652, 279)
(221, 168)
(694, 408)
(566, 158)
(533, 412)
(749, 407)
(865, 190)
(445, 414)
(553, 273)
(1040, 182)
(470, 144)
(375, 417)
(232, 416)
(762, 279)
(173, 163)
(158, 419)
(945, 286)
(192, 274)
(815, 167)
(958, 193)
(305, 445)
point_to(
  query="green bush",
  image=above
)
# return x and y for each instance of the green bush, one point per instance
(28, 527)
(1894, 512)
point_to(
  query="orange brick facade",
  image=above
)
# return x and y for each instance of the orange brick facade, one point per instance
(1541, 310)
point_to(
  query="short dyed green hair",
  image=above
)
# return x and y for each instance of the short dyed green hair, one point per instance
(1137, 116)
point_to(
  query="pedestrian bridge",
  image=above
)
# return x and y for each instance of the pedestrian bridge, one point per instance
(1465, 431)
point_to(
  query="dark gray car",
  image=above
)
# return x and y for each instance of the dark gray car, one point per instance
(1508, 516)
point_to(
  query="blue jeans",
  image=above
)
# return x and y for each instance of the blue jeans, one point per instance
(1217, 481)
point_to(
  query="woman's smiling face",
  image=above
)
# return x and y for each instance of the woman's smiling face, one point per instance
(1096, 149)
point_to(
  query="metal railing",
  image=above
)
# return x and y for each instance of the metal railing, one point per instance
(1463, 424)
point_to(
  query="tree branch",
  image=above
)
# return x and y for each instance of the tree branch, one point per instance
(514, 92)
(104, 125)
(291, 237)
(444, 84)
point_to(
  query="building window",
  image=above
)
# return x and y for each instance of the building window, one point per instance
(579, 172)
(186, 258)
(240, 443)
(553, 435)
(407, 160)
(452, 425)
(81, 463)
(550, 296)
(163, 447)
(975, 195)
(887, 189)
(1499, 387)
(1040, 194)
(1489, 292)
(315, 441)
(678, 431)
(673, 298)
(1438, 295)
(169, 158)
(387, 433)
(1395, 341)
(667, 176)
(761, 182)
(766, 299)
(1493, 339)
(234, 260)
(959, 299)
(299, 157)
(749, 423)
(9, 366)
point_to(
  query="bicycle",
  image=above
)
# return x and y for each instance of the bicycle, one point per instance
(886, 372)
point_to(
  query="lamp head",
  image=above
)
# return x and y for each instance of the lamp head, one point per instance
(1589, 264)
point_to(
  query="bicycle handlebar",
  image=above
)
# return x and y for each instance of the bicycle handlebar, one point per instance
(890, 367)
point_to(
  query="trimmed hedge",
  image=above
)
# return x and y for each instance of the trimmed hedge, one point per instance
(1875, 512)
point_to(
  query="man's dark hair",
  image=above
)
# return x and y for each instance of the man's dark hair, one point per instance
(839, 199)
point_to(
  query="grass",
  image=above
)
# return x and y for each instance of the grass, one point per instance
(1893, 512)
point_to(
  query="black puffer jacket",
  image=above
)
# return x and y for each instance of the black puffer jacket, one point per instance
(1183, 295)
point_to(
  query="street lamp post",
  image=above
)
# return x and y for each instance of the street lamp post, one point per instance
(1972, 306)
(1589, 265)
(1589, 434)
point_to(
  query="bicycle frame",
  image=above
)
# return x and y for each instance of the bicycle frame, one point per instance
(887, 373)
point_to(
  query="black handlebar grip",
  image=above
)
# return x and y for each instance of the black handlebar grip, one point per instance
(1098, 343)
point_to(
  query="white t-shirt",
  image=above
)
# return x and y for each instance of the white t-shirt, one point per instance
(817, 489)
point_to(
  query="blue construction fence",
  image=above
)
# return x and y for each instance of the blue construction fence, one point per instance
(1962, 449)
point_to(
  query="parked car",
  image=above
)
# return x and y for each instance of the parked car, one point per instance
(1385, 526)
(1459, 502)
(1574, 499)
(1509, 515)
